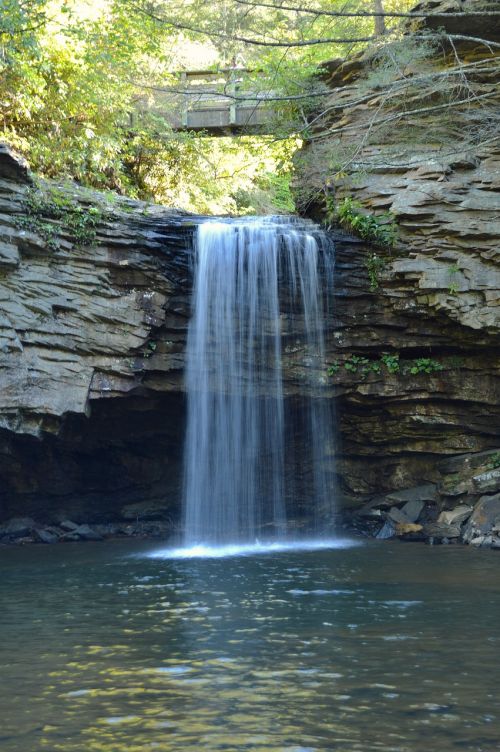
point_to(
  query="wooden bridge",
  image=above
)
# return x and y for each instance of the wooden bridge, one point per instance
(219, 103)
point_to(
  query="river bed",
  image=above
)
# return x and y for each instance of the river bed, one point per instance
(380, 646)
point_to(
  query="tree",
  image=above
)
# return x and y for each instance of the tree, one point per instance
(380, 28)
(68, 82)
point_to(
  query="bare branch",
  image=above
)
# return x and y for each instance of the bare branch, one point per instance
(366, 14)
(405, 114)
(289, 43)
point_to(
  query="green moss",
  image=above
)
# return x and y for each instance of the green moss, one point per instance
(48, 212)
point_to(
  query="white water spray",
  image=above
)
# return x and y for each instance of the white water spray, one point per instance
(252, 278)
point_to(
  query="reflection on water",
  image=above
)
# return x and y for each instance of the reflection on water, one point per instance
(245, 549)
(381, 647)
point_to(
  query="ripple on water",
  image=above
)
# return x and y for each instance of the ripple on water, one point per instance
(286, 653)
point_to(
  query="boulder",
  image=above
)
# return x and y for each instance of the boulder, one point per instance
(46, 536)
(396, 515)
(18, 527)
(424, 493)
(87, 533)
(440, 530)
(68, 525)
(408, 528)
(488, 481)
(455, 516)
(386, 531)
(484, 518)
(413, 509)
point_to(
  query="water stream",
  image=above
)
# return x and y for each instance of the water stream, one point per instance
(251, 276)
(385, 647)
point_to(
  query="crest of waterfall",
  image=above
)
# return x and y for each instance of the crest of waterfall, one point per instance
(261, 289)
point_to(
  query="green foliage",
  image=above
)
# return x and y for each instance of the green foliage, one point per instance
(424, 365)
(494, 461)
(374, 265)
(69, 78)
(150, 349)
(49, 212)
(378, 229)
(391, 362)
(333, 369)
(71, 73)
(364, 365)
(270, 194)
(453, 284)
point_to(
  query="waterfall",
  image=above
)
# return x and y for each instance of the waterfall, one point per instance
(254, 281)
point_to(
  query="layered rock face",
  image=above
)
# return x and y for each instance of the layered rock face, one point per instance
(96, 295)
(416, 372)
(83, 326)
(94, 320)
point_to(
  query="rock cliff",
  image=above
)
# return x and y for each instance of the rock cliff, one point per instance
(409, 137)
(95, 294)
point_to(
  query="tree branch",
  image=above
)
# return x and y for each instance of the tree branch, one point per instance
(366, 14)
(405, 114)
(289, 43)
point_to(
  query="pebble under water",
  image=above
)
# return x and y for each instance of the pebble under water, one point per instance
(383, 646)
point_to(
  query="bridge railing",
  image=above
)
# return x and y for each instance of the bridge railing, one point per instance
(213, 101)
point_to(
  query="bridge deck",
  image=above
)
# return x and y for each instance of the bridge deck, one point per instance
(218, 102)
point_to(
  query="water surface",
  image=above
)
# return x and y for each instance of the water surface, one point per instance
(389, 647)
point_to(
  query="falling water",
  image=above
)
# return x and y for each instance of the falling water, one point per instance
(254, 279)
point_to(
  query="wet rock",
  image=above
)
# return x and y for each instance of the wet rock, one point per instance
(71, 537)
(12, 165)
(24, 540)
(487, 481)
(397, 516)
(386, 531)
(108, 529)
(369, 511)
(17, 527)
(156, 529)
(439, 530)
(477, 540)
(68, 525)
(424, 493)
(455, 516)
(412, 509)
(87, 533)
(147, 510)
(46, 536)
(485, 516)
(409, 529)
(472, 475)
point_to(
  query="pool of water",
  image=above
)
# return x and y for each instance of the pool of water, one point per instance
(384, 646)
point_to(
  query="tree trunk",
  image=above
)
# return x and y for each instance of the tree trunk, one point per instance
(380, 28)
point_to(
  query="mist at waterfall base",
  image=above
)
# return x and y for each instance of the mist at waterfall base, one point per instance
(250, 467)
